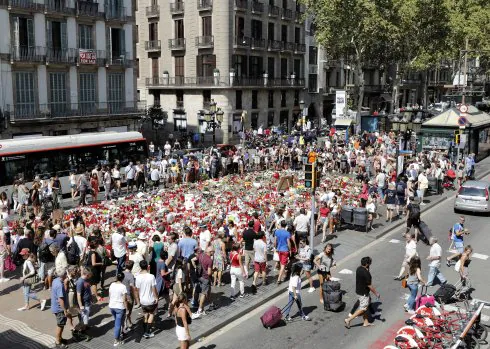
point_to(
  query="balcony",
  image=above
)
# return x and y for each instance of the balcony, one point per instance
(119, 59)
(313, 69)
(374, 88)
(287, 14)
(177, 8)
(258, 44)
(299, 48)
(54, 111)
(205, 5)
(61, 55)
(287, 46)
(222, 81)
(257, 7)
(205, 41)
(115, 13)
(153, 11)
(241, 5)
(58, 6)
(242, 42)
(87, 9)
(274, 45)
(274, 11)
(24, 5)
(153, 46)
(176, 44)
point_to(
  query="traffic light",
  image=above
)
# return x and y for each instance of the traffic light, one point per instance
(457, 136)
(312, 176)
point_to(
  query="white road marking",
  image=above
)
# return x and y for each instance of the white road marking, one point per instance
(335, 279)
(395, 241)
(345, 271)
(480, 256)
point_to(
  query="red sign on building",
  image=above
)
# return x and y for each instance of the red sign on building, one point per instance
(87, 56)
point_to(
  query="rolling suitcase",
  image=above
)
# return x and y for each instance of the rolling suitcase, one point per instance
(424, 232)
(332, 296)
(424, 298)
(273, 316)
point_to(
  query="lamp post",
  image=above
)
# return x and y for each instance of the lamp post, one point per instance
(214, 118)
(303, 114)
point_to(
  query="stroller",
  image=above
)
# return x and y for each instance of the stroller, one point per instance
(448, 181)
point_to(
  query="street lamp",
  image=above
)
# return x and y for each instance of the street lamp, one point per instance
(303, 114)
(214, 118)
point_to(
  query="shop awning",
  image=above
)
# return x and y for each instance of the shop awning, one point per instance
(343, 122)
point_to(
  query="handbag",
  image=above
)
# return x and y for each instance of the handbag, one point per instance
(404, 283)
(275, 257)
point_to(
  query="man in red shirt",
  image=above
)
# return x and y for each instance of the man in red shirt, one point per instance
(257, 223)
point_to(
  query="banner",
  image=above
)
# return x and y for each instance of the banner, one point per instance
(87, 56)
(340, 103)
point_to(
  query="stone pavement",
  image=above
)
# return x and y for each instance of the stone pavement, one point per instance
(34, 329)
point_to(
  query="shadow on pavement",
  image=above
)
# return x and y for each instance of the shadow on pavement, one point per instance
(12, 339)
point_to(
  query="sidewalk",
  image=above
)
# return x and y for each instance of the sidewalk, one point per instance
(34, 329)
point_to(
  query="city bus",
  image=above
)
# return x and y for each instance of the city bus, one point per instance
(26, 158)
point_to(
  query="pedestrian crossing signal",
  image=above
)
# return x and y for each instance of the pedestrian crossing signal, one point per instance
(312, 176)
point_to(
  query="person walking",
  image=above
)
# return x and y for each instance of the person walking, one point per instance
(118, 304)
(260, 260)
(249, 237)
(410, 252)
(457, 236)
(219, 261)
(423, 185)
(294, 291)
(119, 242)
(413, 280)
(237, 272)
(283, 244)
(325, 263)
(84, 299)
(434, 259)
(304, 256)
(464, 262)
(28, 279)
(147, 296)
(363, 287)
(390, 201)
(183, 318)
(59, 306)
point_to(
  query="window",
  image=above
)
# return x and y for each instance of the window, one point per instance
(255, 67)
(205, 65)
(284, 33)
(255, 99)
(270, 31)
(206, 98)
(179, 68)
(270, 67)
(296, 98)
(284, 68)
(154, 67)
(57, 93)
(238, 99)
(312, 82)
(239, 27)
(284, 118)
(237, 123)
(207, 26)
(285, 4)
(115, 91)
(137, 33)
(116, 43)
(240, 65)
(22, 34)
(85, 36)
(270, 119)
(297, 35)
(254, 121)
(56, 35)
(179, 96)
(137, 68)
(256, 29)
(179, 29)
(297, 68)
(313, 55)
(87, 92)
(180, 123)
(153, 31)
(24, 93)
(271, 99)
(283, 99)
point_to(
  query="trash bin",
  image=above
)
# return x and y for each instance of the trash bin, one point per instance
(360, 216)
(346, 214)
(432, 185)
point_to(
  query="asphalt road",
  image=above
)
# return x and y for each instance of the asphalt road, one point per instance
(327, 329)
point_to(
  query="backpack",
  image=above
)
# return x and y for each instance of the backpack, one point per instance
(45, 254)
(414, 212)
(73, 253)
(399, 189)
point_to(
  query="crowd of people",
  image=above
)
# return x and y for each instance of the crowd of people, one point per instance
(70, 257)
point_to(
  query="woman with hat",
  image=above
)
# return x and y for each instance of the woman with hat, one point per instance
(28, 279)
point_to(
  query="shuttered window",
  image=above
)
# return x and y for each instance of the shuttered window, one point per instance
(57, 93)
(24, 93)
(115, 83)
(85, 36)
(87, 93)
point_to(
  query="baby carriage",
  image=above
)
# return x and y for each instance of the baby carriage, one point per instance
(448, 181)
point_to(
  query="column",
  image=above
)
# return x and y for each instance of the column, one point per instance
(40, 29)
(71, 28)
(129, 87)
(42, 85)
(73, 87)
(102, 86)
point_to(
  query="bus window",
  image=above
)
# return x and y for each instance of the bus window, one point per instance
(11, 168)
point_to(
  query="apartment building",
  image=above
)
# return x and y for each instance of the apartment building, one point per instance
(67, 66)
(247, 56)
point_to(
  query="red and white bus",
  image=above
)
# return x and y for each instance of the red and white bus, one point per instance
(27, 158)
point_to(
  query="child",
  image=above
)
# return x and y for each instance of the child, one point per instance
(294, 293)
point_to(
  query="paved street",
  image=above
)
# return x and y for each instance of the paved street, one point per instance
(238, 323)
(328, 328)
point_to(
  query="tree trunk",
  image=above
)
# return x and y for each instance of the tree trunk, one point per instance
(396, 87)
(426, 86)
(360, 96)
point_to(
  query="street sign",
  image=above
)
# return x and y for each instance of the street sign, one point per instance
(462, 121)
(463, 108)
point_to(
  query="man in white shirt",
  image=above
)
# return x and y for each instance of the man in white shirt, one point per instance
(301, 223)
(146, 292)
(155, 176)
(423, 184)
(130, 172)
(118, 240)
(260, 259)
(107, 183)
(410, 252)
(167, 147)
(142, 246)
(204, 237)
(381, 182)
(434, 259)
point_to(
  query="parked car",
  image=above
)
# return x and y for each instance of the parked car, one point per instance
(473, 197)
